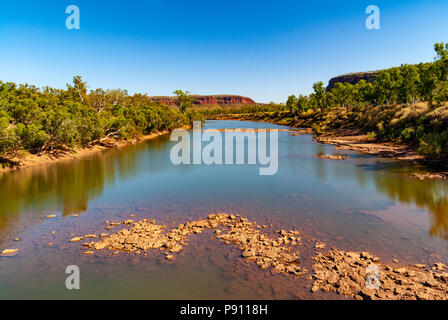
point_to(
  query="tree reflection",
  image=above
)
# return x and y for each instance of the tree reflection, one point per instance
(69, 186)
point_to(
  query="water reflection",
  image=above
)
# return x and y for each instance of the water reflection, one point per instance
(393, 179)
(427, 195)
(69, 187)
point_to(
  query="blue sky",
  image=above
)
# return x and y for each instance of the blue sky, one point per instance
(266, 50)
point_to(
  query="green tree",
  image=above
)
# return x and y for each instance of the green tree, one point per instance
(184, 101)
(47, 119)
(385, 88)
(291, 103)
(78, 90)
(441, 66)
(320, 94)
(408, 87)
(303, 103)
(343, 94)
(428, 82)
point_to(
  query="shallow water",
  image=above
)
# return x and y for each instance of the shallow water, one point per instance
(364, 203)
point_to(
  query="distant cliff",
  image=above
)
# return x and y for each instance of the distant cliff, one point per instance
(209, 100)
(353, 78)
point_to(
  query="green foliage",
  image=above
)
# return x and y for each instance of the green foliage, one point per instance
(302, 104)
(406, 84)
(320, 95)
(392, 106)
(47, 119)
(8, 136)
(316, 128)
(250, 109)
(430, 144)
(292, 103)
(184, 101)
(371, 135)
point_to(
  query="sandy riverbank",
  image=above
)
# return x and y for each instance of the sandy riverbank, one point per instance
(356, 141)
(351, 139)
(27, 160)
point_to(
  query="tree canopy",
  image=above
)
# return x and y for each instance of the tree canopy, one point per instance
(402, 85)
(45, 119)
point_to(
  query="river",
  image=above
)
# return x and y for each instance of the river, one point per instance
(364, 203)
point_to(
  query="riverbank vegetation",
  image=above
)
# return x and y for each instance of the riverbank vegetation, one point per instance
(43, 120)
(406, 104)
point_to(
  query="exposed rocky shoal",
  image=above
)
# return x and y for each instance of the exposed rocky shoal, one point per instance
(332, 156)
(146, 235)
(360, 275)
(430, 176)
(357, 275)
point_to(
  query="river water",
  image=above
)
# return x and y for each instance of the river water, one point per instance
(364, 203)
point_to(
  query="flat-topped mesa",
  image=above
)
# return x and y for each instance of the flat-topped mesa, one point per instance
(353, 78)
(221, 100)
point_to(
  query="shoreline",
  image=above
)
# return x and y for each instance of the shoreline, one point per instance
(47, 158)
(354, 140)
(343, 139)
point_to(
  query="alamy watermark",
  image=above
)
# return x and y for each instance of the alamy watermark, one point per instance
(73, 21)
(73, 280)
(234, 139)
(373, 280)
(373, 20)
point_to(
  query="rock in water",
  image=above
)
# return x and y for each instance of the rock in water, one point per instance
(10, 252)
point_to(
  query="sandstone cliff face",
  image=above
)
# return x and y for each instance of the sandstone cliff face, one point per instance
(209, 100)
(352, 78)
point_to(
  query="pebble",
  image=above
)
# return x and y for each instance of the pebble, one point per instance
(9, 252)
(320, 245)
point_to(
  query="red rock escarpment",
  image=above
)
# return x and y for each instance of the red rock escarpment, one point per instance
(353, 78)
(209, 100)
